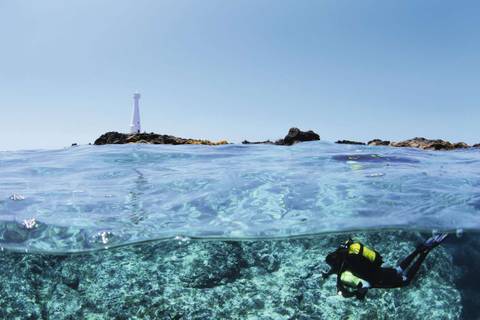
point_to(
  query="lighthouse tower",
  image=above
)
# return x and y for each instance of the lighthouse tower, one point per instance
(135, 125)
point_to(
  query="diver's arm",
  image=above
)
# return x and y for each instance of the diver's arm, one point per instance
(361, 292)
(342, 291)
(346, 294)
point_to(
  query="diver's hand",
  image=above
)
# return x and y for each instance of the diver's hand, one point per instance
(361, 293)
(326, 274)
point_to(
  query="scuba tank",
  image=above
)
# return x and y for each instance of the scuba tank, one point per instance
(357, 248)
(356, 268)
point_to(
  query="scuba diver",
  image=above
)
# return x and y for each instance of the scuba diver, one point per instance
(358, 268)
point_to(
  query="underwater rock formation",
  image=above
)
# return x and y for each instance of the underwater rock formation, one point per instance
(150, 138)
(211, 265)
(350, 142)
(278, 279)
(429, 144)
(293, 136)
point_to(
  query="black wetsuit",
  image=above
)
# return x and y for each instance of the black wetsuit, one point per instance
(377, 276)
(394, 278)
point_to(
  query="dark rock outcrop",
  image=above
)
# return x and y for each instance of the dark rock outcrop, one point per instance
(150, 138)
(294, 135)
(428, 144)
(477, 145)
(258, 142)
(421, 143)
(378, 142)
(460, 145)
(350, 142)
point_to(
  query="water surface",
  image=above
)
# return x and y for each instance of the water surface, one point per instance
(89, 197)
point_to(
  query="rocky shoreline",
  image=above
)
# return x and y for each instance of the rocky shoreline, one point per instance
(293, 136)
(114, 137)
(418, 142)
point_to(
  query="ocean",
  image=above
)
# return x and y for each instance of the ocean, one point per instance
(232, 232)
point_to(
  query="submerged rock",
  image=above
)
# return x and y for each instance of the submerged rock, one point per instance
(467, 256)
(210, 264)
(350, 142)
(429, 144)
(149, 138)
(221, 280)
(17, 288)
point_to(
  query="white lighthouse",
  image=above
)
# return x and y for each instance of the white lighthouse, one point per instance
(135, 125)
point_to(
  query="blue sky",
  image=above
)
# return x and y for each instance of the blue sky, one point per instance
(239, 69)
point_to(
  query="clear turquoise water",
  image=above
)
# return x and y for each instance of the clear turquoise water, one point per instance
(232, 232)
(95, 196)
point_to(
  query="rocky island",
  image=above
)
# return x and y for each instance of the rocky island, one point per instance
(150, 138)
(293, 136)
(428, 144)
(420, 143)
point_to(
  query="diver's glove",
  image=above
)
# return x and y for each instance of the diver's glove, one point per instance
(361, 292)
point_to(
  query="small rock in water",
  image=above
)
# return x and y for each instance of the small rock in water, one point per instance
(30, 223)
(16, 197)
(258, 142)
(350, 142)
